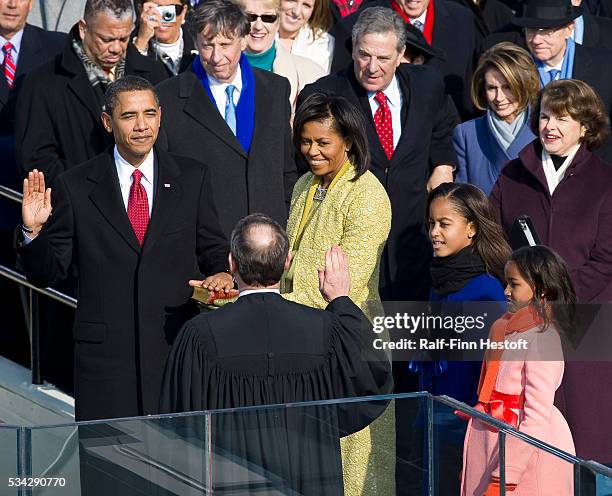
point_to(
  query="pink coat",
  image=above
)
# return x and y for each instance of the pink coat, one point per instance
(534, 374)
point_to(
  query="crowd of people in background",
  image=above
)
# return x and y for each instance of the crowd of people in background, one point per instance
(413, 135)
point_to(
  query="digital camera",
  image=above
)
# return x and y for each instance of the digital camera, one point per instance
(167, 13)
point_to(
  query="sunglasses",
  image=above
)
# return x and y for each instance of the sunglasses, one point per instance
(266, 18)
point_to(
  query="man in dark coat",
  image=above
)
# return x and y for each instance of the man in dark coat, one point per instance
(58, 118)
(246, 137)
(139, 224)
(423, 155)
(267, 350)
(446, 25)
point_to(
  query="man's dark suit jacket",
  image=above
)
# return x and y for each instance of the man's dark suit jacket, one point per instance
(462, 49)
(264, 350)
(37, 46)
(58, 121)
(424, 143)
(132, 300)
(261, 181)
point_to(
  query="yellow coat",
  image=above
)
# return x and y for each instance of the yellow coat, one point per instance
(357, 217)
(354, 215)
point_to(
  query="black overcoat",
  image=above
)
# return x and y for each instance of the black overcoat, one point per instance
(424, 143)
(57, 124)
(132, 300)
(261, 181)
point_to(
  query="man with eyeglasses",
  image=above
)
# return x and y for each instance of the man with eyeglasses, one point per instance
(58, 111)
(233, 116)
(161, 36)
(548, 25)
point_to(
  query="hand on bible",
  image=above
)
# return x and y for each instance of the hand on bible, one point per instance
(334, 279)
(223, 281)
(36, 203)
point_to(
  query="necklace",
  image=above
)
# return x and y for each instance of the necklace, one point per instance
(320, 193)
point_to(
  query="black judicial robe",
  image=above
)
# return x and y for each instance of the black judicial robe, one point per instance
(264, 350)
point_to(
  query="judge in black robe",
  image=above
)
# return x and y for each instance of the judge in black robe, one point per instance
(264, 350)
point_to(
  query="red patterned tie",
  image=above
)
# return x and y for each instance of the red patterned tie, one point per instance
(9, 63)
(383, 124)
(138, 207)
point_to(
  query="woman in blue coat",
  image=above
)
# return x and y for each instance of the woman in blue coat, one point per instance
(504, 84)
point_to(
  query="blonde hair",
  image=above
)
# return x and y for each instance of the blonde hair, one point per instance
(272, 4)
(518, 69)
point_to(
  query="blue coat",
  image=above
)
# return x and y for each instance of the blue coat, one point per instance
(481, 158)
(460, 380)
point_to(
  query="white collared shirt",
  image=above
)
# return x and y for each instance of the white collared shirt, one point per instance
(554, 176)
(395, 100)
(125, 171)
(263, 290)
(16, 42)
(218, 90)
(558, 67)
(421, 18)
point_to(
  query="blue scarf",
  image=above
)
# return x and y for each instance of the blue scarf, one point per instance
(245, 110)
(567, 68)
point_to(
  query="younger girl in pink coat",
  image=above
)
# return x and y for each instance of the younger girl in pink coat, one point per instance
(518, 386)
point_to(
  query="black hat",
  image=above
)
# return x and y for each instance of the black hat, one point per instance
(547, 14)
(416, 40)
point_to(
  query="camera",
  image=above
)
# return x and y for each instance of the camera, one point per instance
(167, 13)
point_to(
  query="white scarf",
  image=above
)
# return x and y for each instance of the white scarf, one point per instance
(554, 176)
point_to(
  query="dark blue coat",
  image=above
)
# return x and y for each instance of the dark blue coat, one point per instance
(460, 379)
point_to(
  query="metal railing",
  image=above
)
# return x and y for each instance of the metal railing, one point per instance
(30, 300)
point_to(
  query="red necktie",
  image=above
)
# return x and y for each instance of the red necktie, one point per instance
(383, 124)
(9, 63)
(138, 207)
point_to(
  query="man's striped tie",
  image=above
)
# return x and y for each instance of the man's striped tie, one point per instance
(9, 63)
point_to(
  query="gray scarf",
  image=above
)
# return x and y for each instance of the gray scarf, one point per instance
(505, 133)
(96, 75)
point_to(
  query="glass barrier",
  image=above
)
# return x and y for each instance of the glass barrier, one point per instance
(409, 444)
(10, 461)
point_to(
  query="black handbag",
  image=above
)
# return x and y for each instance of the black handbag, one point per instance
(523, 233)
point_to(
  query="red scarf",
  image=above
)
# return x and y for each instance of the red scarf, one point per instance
(429, 18)
(522, 320)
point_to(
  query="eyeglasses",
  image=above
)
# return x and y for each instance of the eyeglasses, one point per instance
(543, 32)
(265, 18)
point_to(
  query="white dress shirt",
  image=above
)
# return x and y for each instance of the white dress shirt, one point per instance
(218, 90)
(394, 100)
(125, 171)
(263, 290)
(16, 42)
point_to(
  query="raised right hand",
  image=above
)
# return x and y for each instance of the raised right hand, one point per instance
(334, 278)
(149, 20)
(36, 204)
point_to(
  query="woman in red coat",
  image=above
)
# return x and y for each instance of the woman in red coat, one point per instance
(567, 192)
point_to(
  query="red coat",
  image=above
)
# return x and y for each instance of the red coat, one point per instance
(576, 221)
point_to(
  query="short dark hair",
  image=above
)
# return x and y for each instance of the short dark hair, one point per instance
(260, 259)
(578, 100)
(347, 121)
(119, 8)
(123, 85)
(547, 274)
(221, 16)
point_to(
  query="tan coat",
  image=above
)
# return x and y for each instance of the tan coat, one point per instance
(300, 71)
